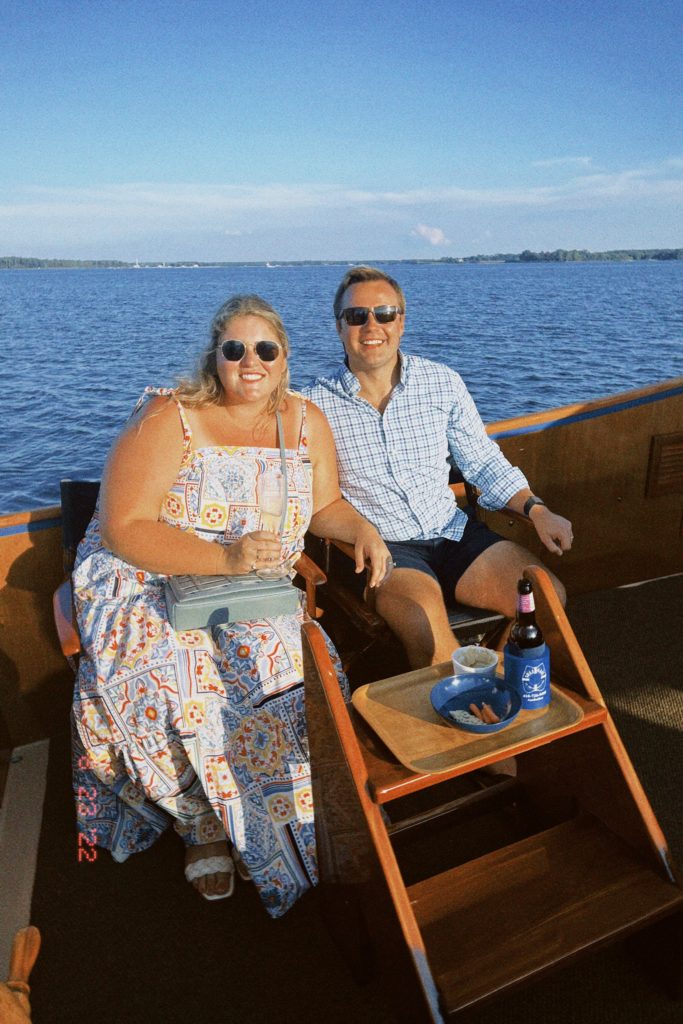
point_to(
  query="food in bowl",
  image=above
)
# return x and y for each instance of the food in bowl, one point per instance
(475, 703)
(475, 659)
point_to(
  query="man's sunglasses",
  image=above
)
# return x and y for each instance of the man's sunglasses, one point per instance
(233, 351)
(356, 316)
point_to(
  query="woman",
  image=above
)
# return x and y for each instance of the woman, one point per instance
(206, 726)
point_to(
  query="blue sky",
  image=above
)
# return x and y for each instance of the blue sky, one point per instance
(260, 130)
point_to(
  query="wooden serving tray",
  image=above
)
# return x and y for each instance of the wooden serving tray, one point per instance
(400, 712)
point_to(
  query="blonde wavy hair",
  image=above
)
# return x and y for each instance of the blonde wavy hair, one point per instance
(204, 386)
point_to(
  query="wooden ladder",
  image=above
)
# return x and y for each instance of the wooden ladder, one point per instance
(595, 868)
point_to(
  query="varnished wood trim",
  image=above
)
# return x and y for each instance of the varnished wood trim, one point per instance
(569, 413)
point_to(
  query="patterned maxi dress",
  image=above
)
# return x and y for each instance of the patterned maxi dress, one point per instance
(204, 727)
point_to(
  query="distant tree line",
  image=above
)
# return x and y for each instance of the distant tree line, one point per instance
(571, 256)
(32, 263)
(557, 256)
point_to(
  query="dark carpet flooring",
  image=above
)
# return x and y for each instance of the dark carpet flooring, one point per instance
(132, 944)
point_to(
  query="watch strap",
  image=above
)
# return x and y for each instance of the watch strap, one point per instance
(530, 502)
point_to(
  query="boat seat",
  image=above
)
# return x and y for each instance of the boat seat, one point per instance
(588, 864)
(78, 500)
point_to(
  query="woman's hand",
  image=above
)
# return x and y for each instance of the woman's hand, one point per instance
(372, 553)
(554, 531)
(258, 550)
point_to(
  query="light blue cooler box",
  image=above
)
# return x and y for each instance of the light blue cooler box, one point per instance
(529, 674)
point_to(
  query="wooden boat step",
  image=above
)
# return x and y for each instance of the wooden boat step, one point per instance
(512, 914)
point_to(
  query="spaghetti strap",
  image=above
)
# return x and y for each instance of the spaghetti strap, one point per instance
(303, 436)
(149, 393)
(187, 430)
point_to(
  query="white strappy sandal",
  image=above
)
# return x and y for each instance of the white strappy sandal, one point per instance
(212, 866)
(240, 866)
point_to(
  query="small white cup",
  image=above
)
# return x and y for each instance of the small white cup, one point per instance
(475, 660)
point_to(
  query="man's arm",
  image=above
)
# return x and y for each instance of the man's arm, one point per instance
(332, 515)
(553, 530)
(482, 463)
(476, 455)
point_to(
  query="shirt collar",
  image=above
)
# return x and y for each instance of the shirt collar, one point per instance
(348, 380)
(404, 363)
(351, 384)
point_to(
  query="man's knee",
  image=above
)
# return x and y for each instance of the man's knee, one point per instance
(410, 588)
(558, 585)
(415, 611)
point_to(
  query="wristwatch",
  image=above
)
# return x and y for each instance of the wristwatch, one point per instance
(530, 502)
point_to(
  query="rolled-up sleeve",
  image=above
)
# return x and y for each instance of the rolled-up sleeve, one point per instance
(479, 458)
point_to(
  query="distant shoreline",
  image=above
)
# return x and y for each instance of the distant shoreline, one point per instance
(557, 256)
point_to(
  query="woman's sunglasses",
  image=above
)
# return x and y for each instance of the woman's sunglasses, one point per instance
(233, 351)
(356, 316)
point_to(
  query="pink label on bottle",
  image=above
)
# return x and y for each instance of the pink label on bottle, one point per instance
(526, 602)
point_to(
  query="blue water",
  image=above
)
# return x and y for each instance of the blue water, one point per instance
(78, 346)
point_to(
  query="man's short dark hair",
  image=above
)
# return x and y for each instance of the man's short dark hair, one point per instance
(362, 273)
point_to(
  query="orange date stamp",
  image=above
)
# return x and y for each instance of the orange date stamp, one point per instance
(87, 808)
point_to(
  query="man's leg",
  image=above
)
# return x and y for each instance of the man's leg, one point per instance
(491, 580)
(412, 604)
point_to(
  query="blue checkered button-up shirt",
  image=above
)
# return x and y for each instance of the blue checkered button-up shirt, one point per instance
(393, 466)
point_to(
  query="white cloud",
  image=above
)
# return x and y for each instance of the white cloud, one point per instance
(150, 201)
(195, 219)
(563, 161)
(434, 236)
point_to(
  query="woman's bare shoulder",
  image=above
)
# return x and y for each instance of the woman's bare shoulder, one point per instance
(157, 422)
(316, 419)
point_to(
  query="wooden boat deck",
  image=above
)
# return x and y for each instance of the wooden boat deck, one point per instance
(133, 941)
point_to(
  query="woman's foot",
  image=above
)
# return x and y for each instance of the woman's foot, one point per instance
(210, 870)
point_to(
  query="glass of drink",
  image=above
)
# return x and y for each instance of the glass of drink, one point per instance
(271, 496)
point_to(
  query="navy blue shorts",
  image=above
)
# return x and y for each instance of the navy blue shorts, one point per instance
(444, 560)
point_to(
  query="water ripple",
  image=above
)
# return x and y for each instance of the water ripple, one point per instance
(79, 346)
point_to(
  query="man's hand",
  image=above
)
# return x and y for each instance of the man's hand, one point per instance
(372, 553)
(553, 530)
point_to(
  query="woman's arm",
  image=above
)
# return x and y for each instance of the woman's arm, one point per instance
(142, 467)
(332, 515)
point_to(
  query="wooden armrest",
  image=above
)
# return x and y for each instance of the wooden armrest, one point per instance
(460, 493)
(345, 548)
(311, 572)
(516, 516)
(313, 577)
(67, 630)
(470, 494)
(359, 612)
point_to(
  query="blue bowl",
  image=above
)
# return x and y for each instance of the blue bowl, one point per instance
(451, 698)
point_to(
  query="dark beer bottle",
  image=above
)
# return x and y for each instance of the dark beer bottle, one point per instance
(525, 633)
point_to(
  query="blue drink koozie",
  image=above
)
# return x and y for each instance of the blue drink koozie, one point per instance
(528, 672)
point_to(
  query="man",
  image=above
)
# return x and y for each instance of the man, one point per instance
(396, 418)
